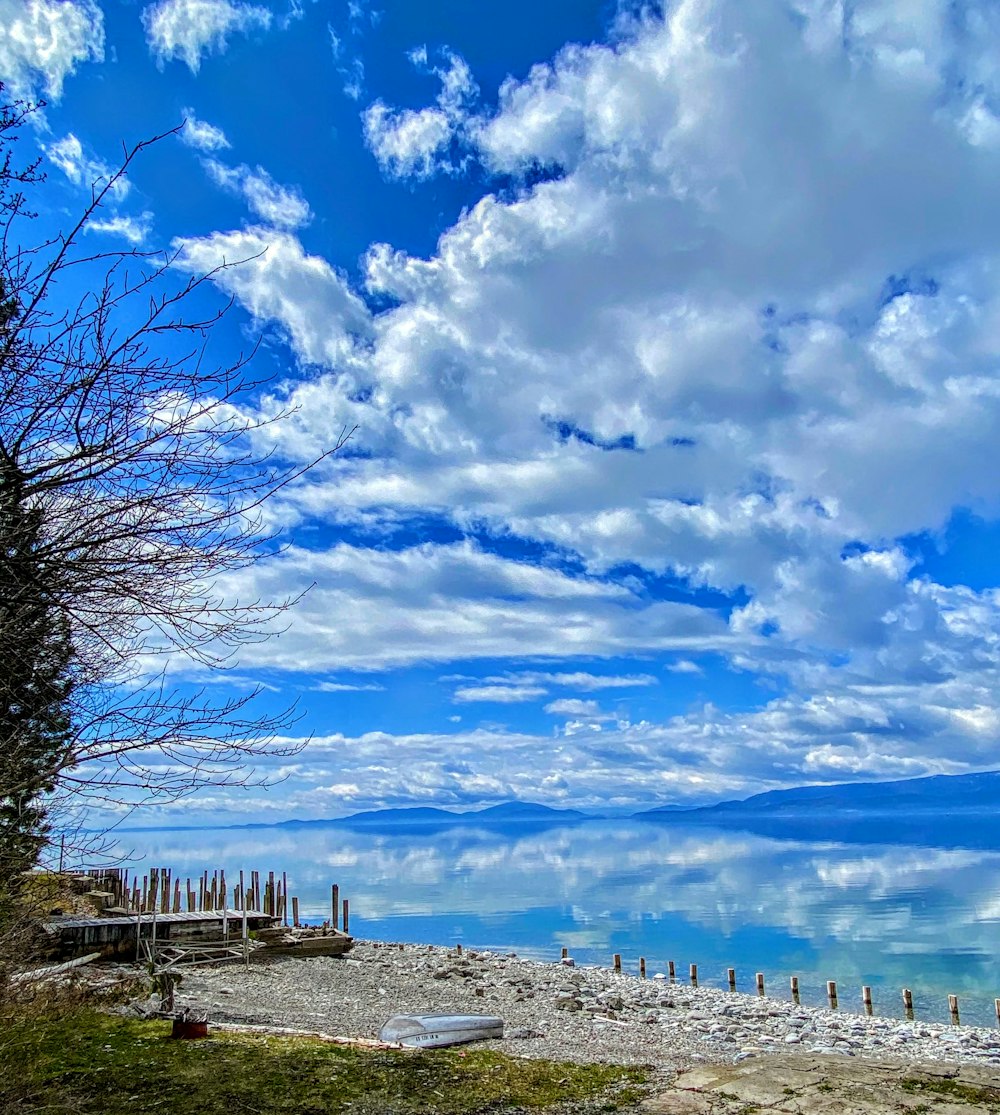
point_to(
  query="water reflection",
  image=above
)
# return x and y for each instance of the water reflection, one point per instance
(885, 915)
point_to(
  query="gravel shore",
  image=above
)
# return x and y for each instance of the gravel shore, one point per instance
(559, 1011)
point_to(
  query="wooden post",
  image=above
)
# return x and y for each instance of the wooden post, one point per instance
(243, 894)
(642, 967)
(215, 890)
(731, 973)
(295, 912)
(284, 898)
(335, 904)
(996, 1007)
(222, 889)
(347, 910)
(271, 886)
(671, 974)
(255, 886)
(795, 989)
(760, 983)
(831, 993)
(694, 975)
(908, 1003)
(953, 1009)
(565, 956)
(167, 890)
(177, 895)
(616, 959)
(866, 998)
(145, 892)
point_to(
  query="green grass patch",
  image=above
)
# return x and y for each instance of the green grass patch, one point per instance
(91, 1063)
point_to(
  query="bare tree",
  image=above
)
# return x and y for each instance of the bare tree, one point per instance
(135, 461)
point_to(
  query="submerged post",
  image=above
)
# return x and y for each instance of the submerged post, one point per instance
(866, 998)
(671, 974)
(694, 975)
(831, 993)
(760, 984)
(908, 1003)
(642, 967)
(616, 960)
(953, 1009)
(731, 975)
(795, 989)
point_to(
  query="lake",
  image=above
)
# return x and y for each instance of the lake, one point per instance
(890, 915)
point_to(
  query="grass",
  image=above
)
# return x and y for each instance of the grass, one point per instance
(82, 1061)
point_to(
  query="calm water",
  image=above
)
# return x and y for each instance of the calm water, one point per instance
(888, 915)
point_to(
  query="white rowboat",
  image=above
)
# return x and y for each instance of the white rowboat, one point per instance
(430, 1031)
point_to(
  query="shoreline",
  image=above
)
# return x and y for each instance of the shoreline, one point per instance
(560, 1011)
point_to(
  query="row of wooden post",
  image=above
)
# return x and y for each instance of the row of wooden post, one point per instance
(831, 988)
(160, 891)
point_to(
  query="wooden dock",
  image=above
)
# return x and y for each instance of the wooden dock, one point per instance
(118, 936)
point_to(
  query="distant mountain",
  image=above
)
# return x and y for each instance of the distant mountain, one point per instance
(519, 814)
(936, 793)
(958, 810)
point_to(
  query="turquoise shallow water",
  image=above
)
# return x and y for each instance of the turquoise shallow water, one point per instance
(888, 915)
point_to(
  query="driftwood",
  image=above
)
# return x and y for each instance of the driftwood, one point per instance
(38, 974)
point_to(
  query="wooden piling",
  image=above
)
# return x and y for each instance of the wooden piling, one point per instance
(760, 983)
(284, 898)
(346, 912)
(671, 974)
(953, 1009)
(996, 1007)
(642, 967)
(222, 888)
(242, 900)
(335, 903)
(694, 975)
(731, 975)
(565, 956)
(794, 982)
(831, 993)
(295, 912)
(866, 999)
(177, 895)
(274, 896)
(617, 961)
(908, 1003)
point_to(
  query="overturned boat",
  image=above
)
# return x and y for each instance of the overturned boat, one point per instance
(431, 1031)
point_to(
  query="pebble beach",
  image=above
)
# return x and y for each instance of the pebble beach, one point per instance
(561, 1011)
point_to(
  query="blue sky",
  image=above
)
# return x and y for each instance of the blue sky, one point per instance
(670, 336)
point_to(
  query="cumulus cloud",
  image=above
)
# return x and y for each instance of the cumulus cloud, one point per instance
(732, 337)
(282, 206)
(201, 135)
(269, 271)
(42, 42)
(415, 142)
(189, 29)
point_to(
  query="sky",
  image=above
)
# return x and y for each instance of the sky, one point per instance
(669, 338)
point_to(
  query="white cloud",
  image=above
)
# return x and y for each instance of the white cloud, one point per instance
(684, 666)
(346, 687)
(743, 337)
(571, 707)
(414, 143)
(201, 135)
(500, 694)
(274, 278)
(578, 679)
(43, 41)
(84, 169)
(189, 29)
(281, 206)
(134, 229)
